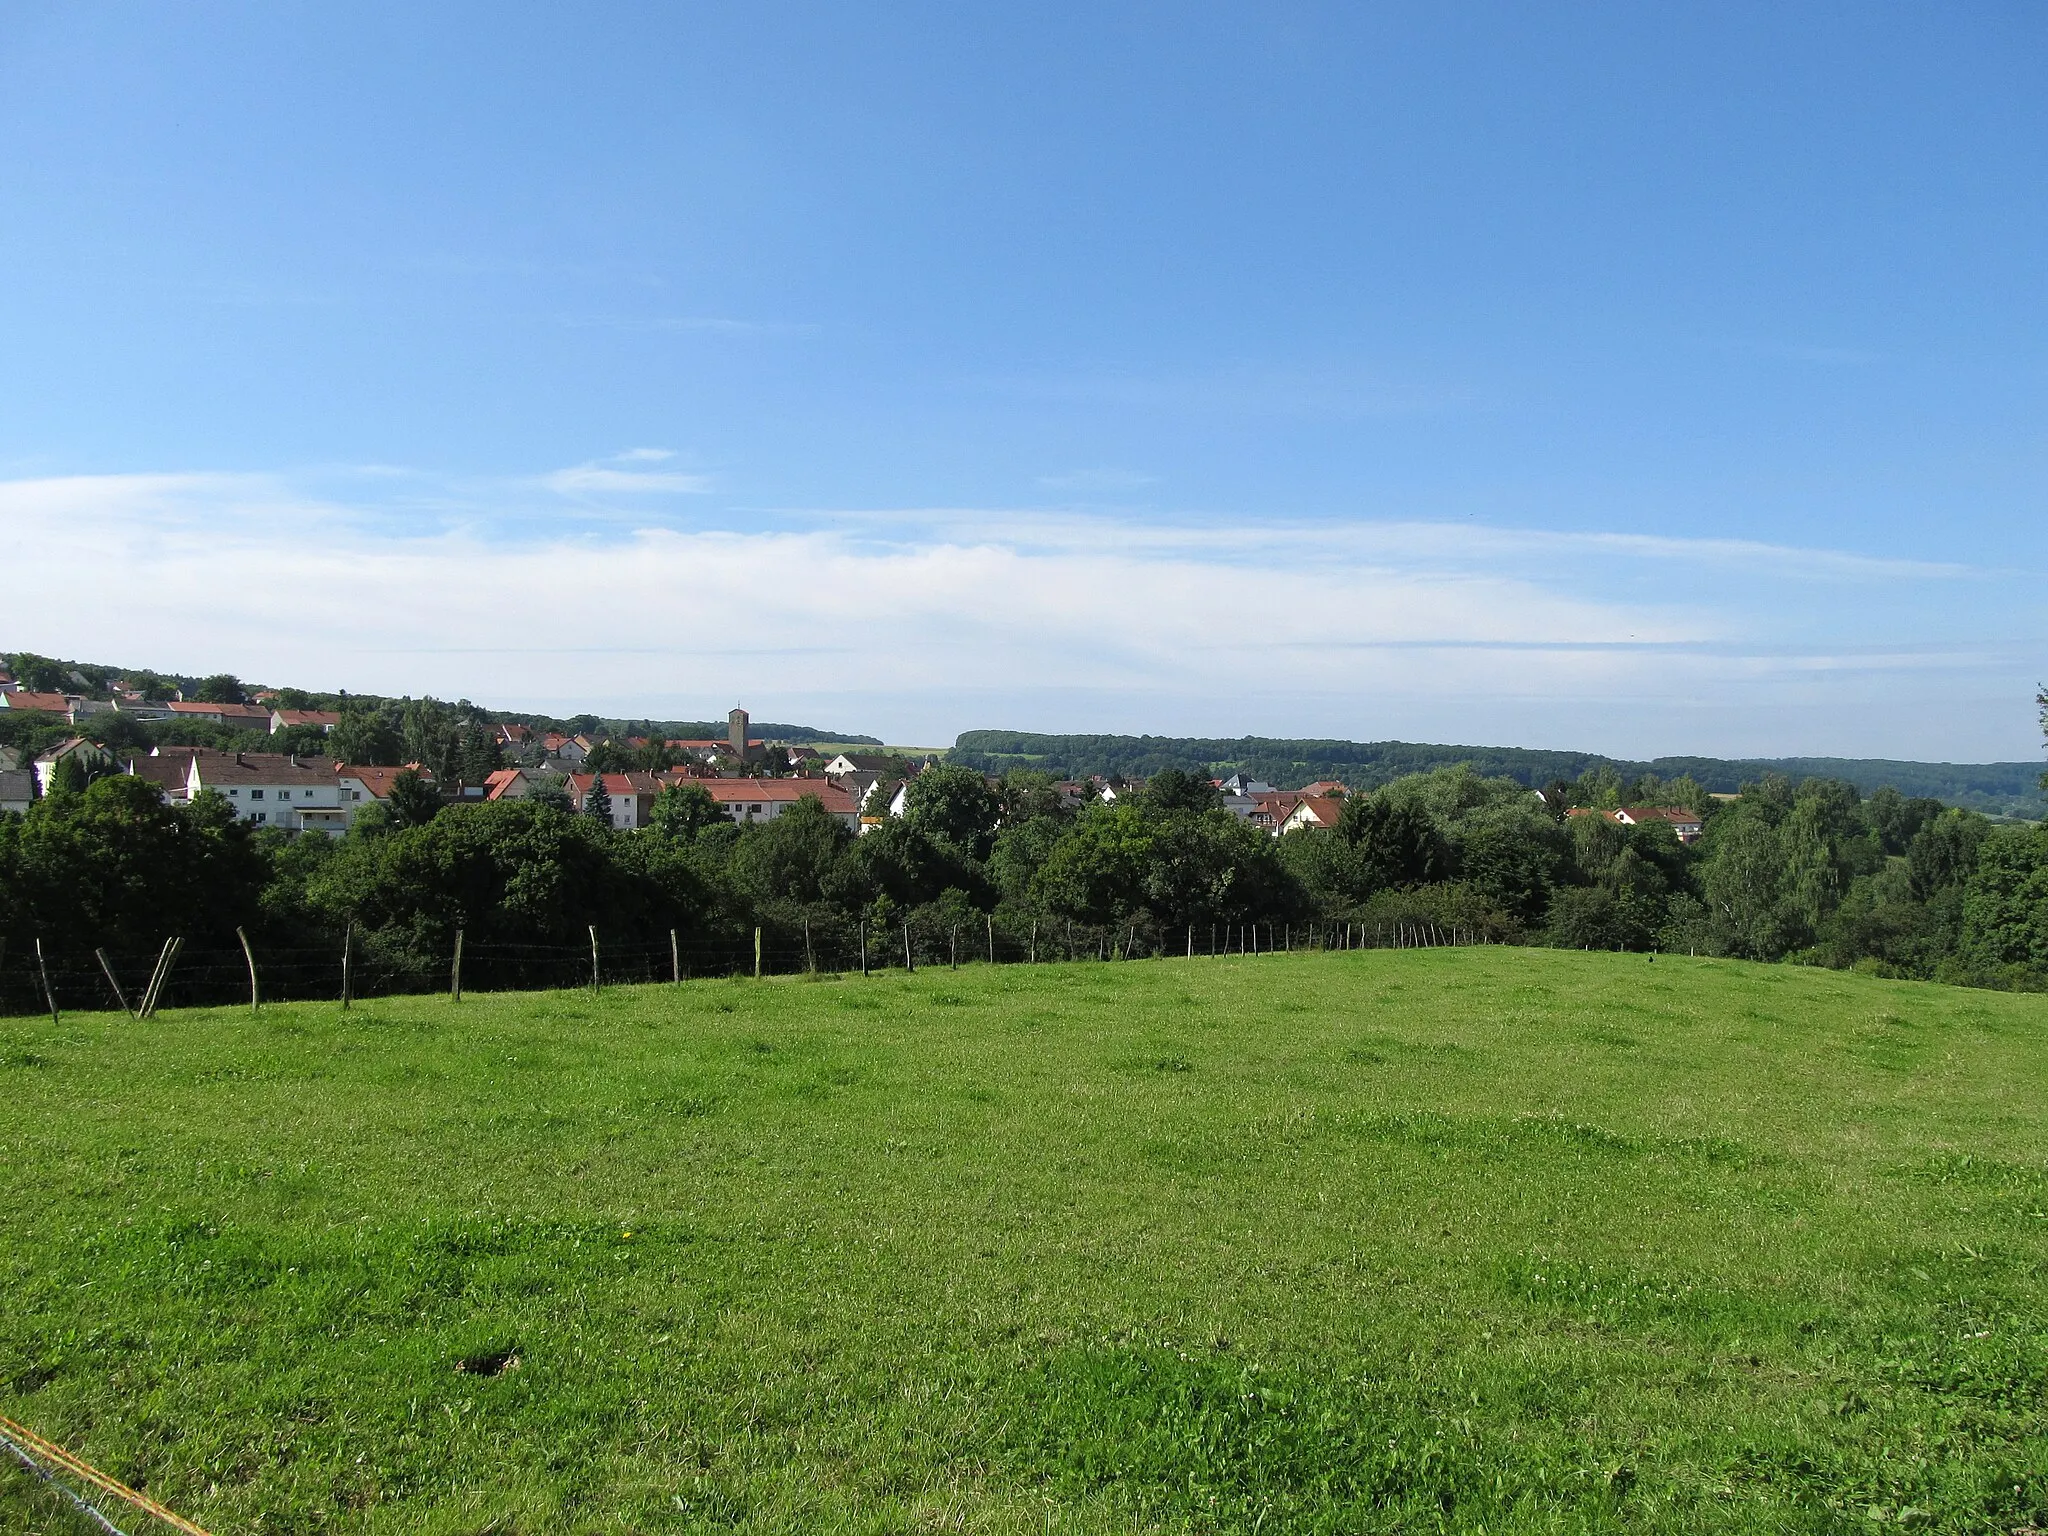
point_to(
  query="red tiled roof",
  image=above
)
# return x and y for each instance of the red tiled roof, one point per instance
(21, 698)
(1327, 810)
(762, 791)
(309, 717)
(1675, 815)
(378, 780)
(634, 783)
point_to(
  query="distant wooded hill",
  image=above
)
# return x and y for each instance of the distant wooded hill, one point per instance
(2008, 789)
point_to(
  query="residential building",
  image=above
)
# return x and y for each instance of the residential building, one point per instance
(508, 784)
(326, 719)
(1685, 825)
(243, 717)
(861, 762)
(360, 784)
(632, 796)
(7, 682)
(273, 789)
(1314, 813)
(169, 768)
(1326, 787)
(48, 703)
(77, 746)
(17, 790)
(752, 800)
(1245, 784)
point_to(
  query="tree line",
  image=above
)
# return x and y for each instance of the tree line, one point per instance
(1813, 872)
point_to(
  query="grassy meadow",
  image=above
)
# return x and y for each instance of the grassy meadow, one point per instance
(1477, 1240)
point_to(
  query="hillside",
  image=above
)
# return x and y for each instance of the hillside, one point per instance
(1421, 1240)
(2010, 789)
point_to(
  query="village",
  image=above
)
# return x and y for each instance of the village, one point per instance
(749, 779)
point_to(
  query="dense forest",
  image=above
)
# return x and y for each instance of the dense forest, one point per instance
(2008, 789)
(98, 876)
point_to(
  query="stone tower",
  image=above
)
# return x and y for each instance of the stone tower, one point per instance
(737, 736)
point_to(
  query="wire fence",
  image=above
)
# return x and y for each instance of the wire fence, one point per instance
(125, 976)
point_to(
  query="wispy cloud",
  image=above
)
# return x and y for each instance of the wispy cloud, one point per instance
(938, 617)
(1098, 480)
(617, 476)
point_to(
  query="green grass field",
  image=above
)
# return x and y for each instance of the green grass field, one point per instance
(1501, 1239)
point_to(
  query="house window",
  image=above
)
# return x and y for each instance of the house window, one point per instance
(255, 794)
(236, 793)
(263, 816)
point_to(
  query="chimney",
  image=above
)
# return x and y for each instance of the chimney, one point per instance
(737, 733)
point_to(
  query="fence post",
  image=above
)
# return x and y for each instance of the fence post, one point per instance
(348, 944)
(49, 996)
(595, 984)
(455, 970)
(991, 938)
(757, 951)
(1191, 941)
(953, 946)
(863, 946)
(675, 958)
(909, 962)
(112, 980)
(248, 954)
(1034, 941)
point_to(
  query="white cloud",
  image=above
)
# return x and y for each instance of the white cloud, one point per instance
(604, 477)
(923, 624)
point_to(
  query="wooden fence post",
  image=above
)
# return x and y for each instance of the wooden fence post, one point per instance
(348, 944)
(112, 981)
(455, 970)
(596, 984)
(49, 996)
(1034, 941)
(909, 961)
(991, 938)
(248, 954)
(675, 958)
(863, 946)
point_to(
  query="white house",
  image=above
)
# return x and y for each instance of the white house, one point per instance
(1685, 825)
(273, 789)
(357, 785)
(751, 800)
(85, 751)
(326, 719)
(632, 796)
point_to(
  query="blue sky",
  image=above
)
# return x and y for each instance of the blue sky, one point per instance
(1644, 379)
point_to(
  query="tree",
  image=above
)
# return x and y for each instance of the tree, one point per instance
(1397, 842)
(955, 805)
(801, 856)
(39, 674)
(597, 801)
(413, 802)
(1175, 789)
(479, 753)
(682, 811)
(1095, 873)
(366, 738)
(221, 688)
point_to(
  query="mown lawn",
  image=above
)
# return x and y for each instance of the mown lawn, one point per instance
(1489, 1239)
